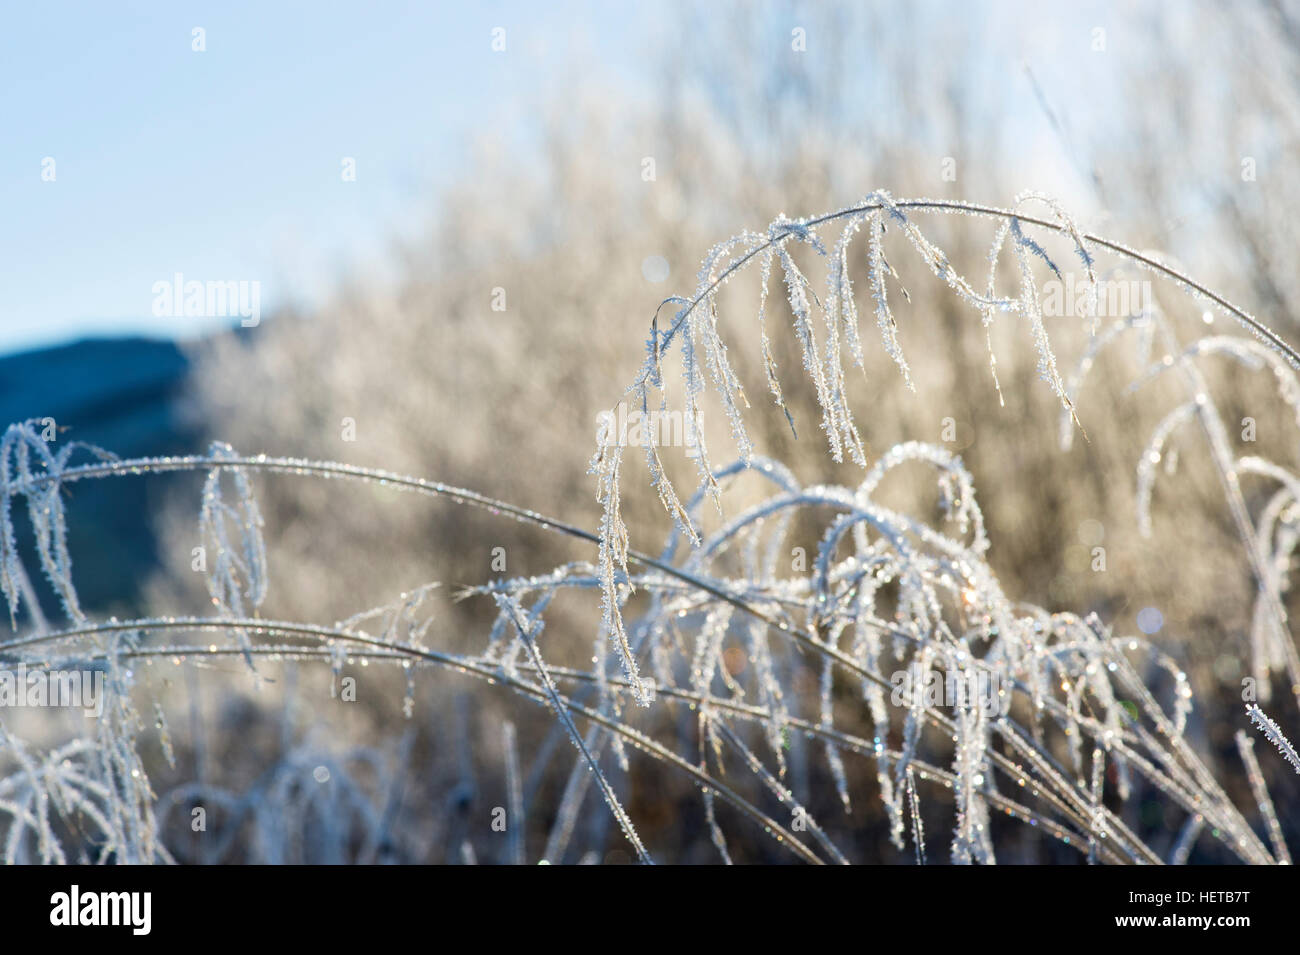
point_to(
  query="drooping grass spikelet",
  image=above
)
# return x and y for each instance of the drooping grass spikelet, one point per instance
(1274, 735)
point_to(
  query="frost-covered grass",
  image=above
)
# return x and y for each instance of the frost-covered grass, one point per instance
(714, 654)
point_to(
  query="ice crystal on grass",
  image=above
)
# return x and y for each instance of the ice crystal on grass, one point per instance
(695, 325)
(237, 568)
(1274, 735)
(28, 468)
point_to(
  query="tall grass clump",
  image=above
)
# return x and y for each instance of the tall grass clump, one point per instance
(886, 664)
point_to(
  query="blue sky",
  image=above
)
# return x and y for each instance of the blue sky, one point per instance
(226, 164)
